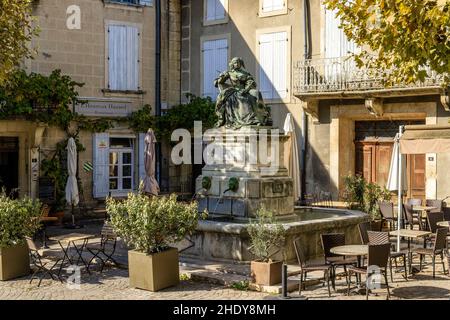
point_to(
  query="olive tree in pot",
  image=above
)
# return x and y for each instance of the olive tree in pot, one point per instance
(266, 237)
(19, 218)
(149, 225)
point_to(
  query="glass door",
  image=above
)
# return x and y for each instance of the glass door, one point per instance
(120, 171)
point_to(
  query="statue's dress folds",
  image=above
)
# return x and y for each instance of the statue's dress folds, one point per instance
(239, 104)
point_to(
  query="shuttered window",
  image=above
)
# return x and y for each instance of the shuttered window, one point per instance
(215, 10)
(336, 42)
(273, 69)
(123, 57)
(100, 152)
(215, 57)
(273, 5)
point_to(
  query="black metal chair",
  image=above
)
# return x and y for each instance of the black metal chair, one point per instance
(329, 241)
(376, 238)
(41, 261)
(105, 250)
(378, 257)
(305, 268)
(439, 245)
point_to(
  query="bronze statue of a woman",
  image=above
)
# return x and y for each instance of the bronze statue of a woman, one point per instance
(239, 103)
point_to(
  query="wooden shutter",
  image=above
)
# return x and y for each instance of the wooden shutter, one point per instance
(141, 160)
(123, 57)
(332, 35)
(266, 65)
(101, 164)
(210, 10)
(280, 65)
(215, 56)
(219, 10)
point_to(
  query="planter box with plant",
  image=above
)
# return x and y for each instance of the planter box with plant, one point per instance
(149, 225)
(266, 235)
(18, 219)
(363, 196)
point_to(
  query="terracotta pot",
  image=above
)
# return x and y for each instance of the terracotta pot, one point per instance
(266, 273)
(14, 262)
(153, 272)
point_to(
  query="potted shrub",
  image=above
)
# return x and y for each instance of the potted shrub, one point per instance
(266, 235)
(363, 196)
(149, 225)
(18, 218)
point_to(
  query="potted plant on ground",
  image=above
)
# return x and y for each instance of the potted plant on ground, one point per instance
(18, 218)
(266, 235)
(150, 225)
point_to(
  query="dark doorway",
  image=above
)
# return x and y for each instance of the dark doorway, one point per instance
(9, 165)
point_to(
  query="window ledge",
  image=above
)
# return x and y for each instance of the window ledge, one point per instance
(140, 92)
(121, 5)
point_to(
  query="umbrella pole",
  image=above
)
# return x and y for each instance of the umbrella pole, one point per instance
(73, 216)
(400, 187)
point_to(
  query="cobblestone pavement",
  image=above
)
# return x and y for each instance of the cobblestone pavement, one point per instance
(113, 284)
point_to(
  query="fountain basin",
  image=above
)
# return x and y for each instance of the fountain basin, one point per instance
(224, 238)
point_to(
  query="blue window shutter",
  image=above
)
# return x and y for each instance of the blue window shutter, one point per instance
(141, 161)
(101, 164)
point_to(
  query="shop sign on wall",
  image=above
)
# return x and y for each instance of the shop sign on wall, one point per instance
(103, 107)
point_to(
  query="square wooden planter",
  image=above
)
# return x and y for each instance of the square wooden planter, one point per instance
(266, 273)
(14, 262)
(153, 272)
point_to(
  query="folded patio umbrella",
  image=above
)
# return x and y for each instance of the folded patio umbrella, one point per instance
(150, 184)
(294, 170)
(393, 180)
(72, 195)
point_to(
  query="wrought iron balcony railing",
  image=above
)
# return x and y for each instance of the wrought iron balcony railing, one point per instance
(337, 75)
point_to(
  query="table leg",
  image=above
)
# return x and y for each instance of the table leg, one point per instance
(80, 252)
(44, 236)
(66, 256)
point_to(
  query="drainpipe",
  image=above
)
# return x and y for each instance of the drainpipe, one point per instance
(307, 55)
(158, 83)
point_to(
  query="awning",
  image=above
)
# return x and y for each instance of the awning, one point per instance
(420, 139)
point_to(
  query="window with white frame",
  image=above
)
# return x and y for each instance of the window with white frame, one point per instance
(268, 6)
(215, 10)
(273, 65)
(215, 60)
(123, 57)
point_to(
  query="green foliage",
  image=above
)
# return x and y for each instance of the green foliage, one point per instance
(400, 37)
(18, 218)
(16, 32)
(151, 224)
(265, 235)
(363, 196)
(240, 285)
(184, 277)
(180, 116)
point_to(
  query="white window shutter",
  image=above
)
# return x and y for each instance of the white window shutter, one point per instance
(101, 164)
(267, 5)
(280, 65)
(219, 9)
(123, 57)
(266, 51)
(141, 160)
(215, 59)
(210, 10)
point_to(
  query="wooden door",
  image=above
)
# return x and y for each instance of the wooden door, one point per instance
(416, 176)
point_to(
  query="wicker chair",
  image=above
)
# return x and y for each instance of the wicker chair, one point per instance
(305, 268)
(410, 219)
(438, 204)
(363, 227)
(378, 257)
(329, 241)
(439, 246)
(387, 212)
(414, 202)
(376, 238)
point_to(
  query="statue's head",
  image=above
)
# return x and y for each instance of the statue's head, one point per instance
(236, 63)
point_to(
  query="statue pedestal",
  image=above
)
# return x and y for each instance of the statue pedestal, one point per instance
(254, 156)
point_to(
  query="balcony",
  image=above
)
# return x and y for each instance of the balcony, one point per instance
(327, 78)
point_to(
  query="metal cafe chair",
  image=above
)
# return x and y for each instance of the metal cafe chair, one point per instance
(41, 262)
(105, 250)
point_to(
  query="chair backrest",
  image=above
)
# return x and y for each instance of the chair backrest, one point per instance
(386, 209)
(108, 231)
(376, 237)
(31, 244)
(331, 240)
(299, 252)
(379, 255)
(363, 228)
(434, 203)
(440, 242)
(414, 202)
(45, 210)
(407, 208)
(433, 218)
